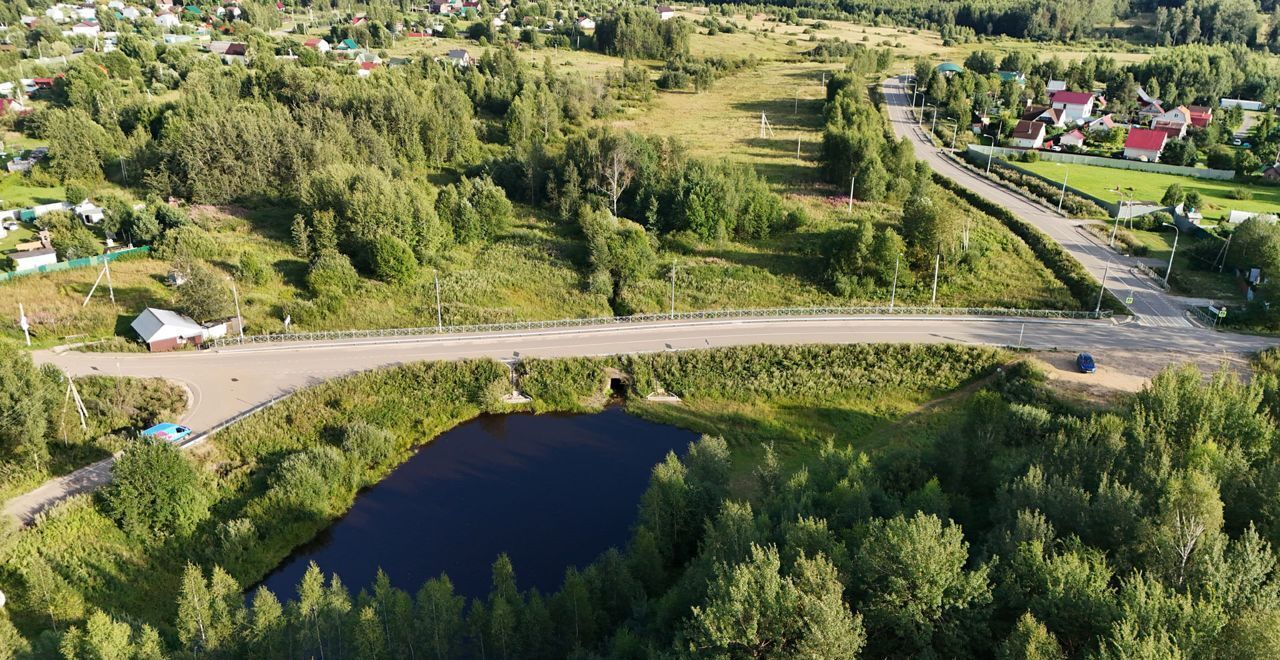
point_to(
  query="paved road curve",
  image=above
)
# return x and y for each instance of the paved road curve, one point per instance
(226, 382)
(1152, 305)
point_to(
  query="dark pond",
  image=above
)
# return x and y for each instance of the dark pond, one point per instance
(552, 491)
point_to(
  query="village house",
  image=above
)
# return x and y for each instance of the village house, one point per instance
(1145, 144)
(319, 45)
(89, 213)
(585, 23)
(33, 259)
(1103, 123)
(1173, 122)
(1055, 86)
(86, 29)
(1050, 116)
(1075, 106)
(1072, 138)
(164, 330)
(1201, 115)
(1028, 134)
(1243, 104)
(665, 13)
(459, 57)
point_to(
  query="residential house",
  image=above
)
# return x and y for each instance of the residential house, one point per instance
(229, 51)
(1050, 116)
(86, 29)
(319, 45)
(89, 213)
(131, 14)
(1150, 111)
(446, 6)
(1012, 76)
(347, 44)
(1243, 104)
(1272, 173)
(1174, 122)
(1055, 86)
(1075, 106)
(949, 69)
(1145, 99)
(167, 19)
(57, 15)
(1200, 115)
(585, 23)
(1103, 123)
(459, 57)
(1028, 134)
(665, 13)
(11, 105)
(33, 259)
(363, 69)
(1237, 217)
(165, 330)
(1145, 144)
(1072, 138)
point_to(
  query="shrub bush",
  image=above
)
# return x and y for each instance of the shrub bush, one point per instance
(393, 260)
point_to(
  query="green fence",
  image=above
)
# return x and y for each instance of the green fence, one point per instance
(84, 262)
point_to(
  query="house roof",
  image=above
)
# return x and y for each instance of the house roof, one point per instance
(664, 9)
(1200, 110)
(153, 324)
(1072, 98)
(1028, 130)
(30, 254)
(1145, 139)
(1075, 135)
(1034, 111)
(458, 53)
(949, 67)
(313, 42)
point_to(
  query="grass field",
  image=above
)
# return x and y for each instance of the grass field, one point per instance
(1150, 186)
(17, 192)
(1190, 276)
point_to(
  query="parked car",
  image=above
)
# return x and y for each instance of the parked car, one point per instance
(11, 225)
(1084, 362)
(168, 432)
(1237, 142)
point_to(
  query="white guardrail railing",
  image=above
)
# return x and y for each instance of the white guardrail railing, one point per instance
(773, 312)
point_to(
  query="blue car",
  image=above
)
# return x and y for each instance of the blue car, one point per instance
(1084, 362)
(167, 432)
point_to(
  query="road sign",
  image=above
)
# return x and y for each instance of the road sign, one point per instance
(1129, 300)
(1222, 313)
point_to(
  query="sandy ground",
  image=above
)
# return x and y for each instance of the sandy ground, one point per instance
(1125, 372)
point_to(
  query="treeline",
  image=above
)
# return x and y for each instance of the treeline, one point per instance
(1021, 529)
(638, 32)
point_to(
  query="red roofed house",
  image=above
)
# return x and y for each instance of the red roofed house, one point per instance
(1200, 115)
(1050, 116)
(1145, 144)
(1072, 138)
(365, 68)
(1028, 134)
(320, 45)
(1074, 105)
(1174, 122)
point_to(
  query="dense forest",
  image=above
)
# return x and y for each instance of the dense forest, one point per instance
(1023, 529)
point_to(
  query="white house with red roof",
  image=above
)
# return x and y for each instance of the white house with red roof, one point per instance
(1075, 106)
(1072, 138)
(1173, 122)
(1103, 123)
(319, 45)
(1145, 144)
(1028, 134)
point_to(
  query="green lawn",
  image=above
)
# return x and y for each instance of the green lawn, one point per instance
(1191, 276)
(17, 192)
(1150, 186)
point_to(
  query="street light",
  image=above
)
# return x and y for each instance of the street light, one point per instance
(1169, 268)
(1066, 171)
(999, 128)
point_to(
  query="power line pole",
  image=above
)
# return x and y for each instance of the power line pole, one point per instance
(673, 288)
(239, 319)
(1063, 196)
(937, 259)
(439, 312)
(1097, 309)
(893, 295)
(852, 180)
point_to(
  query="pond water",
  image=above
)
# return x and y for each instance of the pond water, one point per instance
(552, 491)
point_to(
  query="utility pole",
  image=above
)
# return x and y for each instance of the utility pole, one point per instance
(1097, 309)
(937, 259)
(1063, 196)
(934, 126)
(22, 321)
(1114, 228)
(893, 295)
(673, 288)
(239, 319)
(852, 181)
(439, 313)
(1226, 248)
(798, 146)
(1169, 269)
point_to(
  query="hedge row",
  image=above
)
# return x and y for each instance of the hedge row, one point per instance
(1069, 271)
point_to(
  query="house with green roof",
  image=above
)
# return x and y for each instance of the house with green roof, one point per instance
(949, 68)
(348, 44)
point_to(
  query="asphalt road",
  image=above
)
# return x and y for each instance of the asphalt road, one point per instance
(1151, 304)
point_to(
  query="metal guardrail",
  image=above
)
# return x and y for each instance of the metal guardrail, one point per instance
(773, 312)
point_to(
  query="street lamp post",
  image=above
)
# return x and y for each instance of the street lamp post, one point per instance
(1066, 172)
(893, 295)
(1168, 269)
(990, 154)
(1097, 309)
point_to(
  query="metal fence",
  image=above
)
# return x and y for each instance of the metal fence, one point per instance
(83, 262)
(638, 319)
(1116, 163)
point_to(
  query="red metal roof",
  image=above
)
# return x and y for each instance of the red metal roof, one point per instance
(1072, 98)
(1145, 139)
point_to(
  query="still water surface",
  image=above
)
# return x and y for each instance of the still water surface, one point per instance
(552, 491)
